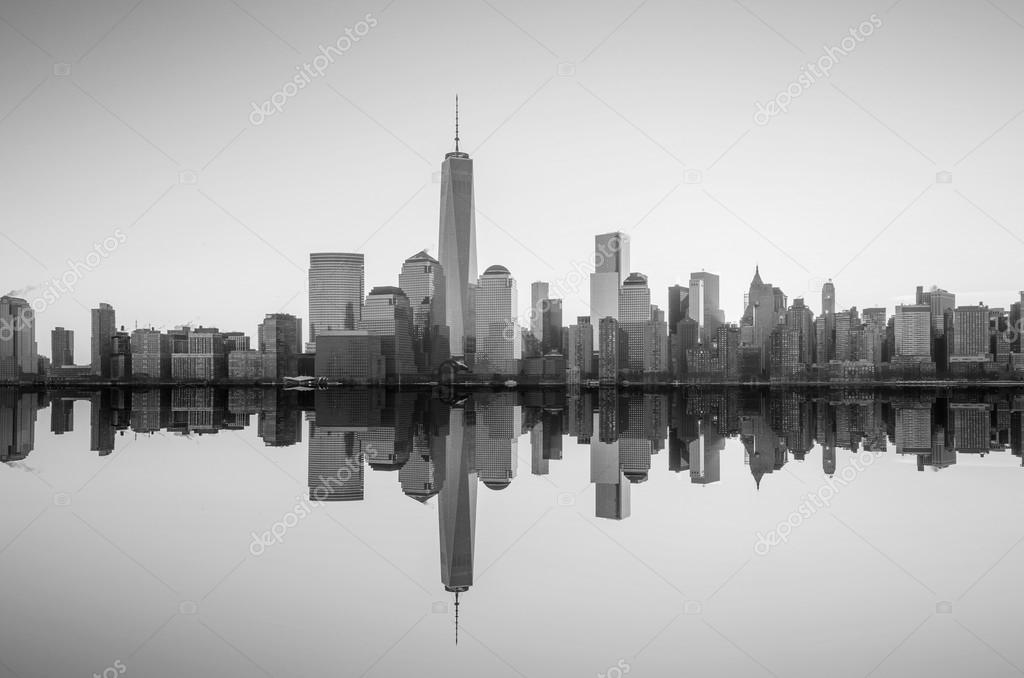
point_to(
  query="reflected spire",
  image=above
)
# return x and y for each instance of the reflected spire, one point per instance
(456, 617)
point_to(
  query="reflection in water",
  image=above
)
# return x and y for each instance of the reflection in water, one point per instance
(447, 448)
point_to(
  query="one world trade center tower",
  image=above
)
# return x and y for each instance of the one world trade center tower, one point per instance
(457, 245)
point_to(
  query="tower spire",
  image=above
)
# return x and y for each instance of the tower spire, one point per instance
(456, 123)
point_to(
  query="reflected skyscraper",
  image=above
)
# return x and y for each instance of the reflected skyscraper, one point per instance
(17, 424)
(457, 500)
(457, 245)
(336, 462)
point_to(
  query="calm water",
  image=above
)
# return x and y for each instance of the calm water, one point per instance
(246, 532)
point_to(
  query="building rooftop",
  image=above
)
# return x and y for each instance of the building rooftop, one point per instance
(386, 290)
(497, 269)
(422, 255)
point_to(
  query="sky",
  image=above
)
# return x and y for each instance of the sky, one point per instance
(130, 130)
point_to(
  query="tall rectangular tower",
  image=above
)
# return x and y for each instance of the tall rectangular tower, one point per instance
(336, 286)
(104, 325)
(611, 266)
(457, 245)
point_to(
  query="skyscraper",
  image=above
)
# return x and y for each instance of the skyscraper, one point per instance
(422, 280)
(827, 350)
(499, 341)
(634, 313)
(457, 244)
(696, 305)
(581, 347)
(611, 266)
(538, 303)
(551, 324)
(336, 289)
(18, 352)
(939, 301)
(971, 334)
(913, 332)
(280, 340)
(387, 315)
(711, 313)
(104, 326)
(62, 347)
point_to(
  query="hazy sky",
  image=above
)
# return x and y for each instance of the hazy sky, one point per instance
(582, 117)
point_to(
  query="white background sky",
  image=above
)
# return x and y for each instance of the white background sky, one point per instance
(843, 185)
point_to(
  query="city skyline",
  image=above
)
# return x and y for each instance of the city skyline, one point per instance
(855, 158)
(384, 337)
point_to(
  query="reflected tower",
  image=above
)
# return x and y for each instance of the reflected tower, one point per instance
(457, 245)
(457, 501)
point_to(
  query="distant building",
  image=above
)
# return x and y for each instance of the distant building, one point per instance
(352, 356)
(971, 335)
(422, 280)
(248, 365)
(765, 308)
(612, 351)
(205, 358)
(634, 313)
(539, 292)
(498, 337)
(18, 352)
(279, 339)
(62, 347)
(710, 299)
(104, 326)
(387, 314)
(336, 290)
(611, 266)
(551, 322)
(685, 339)
(121, 356)
(913, 332)
(581, 347)
(938, 302)
(656, 358)
(151, 354)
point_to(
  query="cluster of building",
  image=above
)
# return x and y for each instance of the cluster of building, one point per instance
(184, 354)
(444, 309)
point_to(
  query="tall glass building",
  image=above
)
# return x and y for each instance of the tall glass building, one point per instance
(18, 350)
(387, 315)
(499, 341)
(634, 313)
(611, 266)
(336, 290)
(457, 245)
